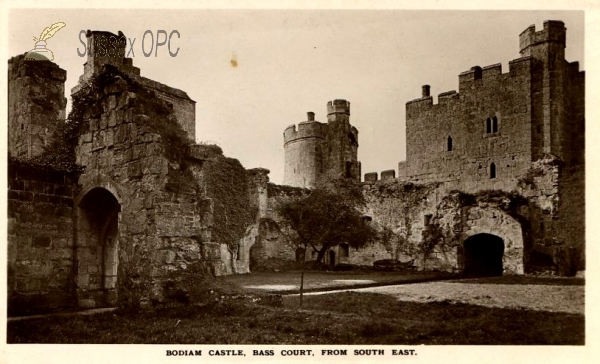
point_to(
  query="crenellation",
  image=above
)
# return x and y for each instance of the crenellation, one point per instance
(315, 150)
(491, 72)
(371, 177)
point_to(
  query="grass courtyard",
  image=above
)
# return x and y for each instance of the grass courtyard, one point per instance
(231, 314)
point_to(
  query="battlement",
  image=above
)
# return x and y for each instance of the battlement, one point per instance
(471, 81)
(338, 107)
(305, 129)
(554, 32)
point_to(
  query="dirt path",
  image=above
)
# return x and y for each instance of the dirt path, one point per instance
(552, 298)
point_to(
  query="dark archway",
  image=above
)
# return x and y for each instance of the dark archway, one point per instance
(332, 258)
(483, 255)
(97, 248)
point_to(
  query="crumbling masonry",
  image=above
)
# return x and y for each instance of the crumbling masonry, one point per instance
(114, 206)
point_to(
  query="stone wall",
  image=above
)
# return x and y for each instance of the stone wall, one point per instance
(451, 141)
(235, 205)
(133, 150)
(40, 238)
(183, 106)
(486, 136)
(36, 104)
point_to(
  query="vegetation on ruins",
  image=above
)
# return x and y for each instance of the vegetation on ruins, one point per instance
(327, 217)
(226, 183)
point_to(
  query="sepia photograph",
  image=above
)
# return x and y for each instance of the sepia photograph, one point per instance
(299, 183)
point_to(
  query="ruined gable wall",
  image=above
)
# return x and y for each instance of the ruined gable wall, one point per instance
(184, 108)
(483, 93)
(130, 146)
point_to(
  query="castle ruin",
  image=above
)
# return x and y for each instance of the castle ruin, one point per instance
(113, 207)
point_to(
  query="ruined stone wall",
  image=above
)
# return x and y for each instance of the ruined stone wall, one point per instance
(39, 239)
(452, 142)
(184, 108)
(570, 228)
(132, 147)
(101, 52)
(556, 194)
(234, 205)
(269, 240)
(36, 104)
(403, 209)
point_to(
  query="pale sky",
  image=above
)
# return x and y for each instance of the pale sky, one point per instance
(294, 61)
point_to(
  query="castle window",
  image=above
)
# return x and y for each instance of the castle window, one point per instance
(488, 126)
(22, 126)
(427, 219)
(494, 125)
(492, 170)
(344, 250)
(449, 144)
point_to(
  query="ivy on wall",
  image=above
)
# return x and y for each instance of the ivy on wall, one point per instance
(226, 183)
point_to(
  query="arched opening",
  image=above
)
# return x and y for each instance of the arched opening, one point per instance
(449, 144)
(482, 255)
(488, 125)
(494, 124)
(332, 258)
(97, 248)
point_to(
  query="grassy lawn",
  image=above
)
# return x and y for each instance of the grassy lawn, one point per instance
(289, 282)
(342, 318)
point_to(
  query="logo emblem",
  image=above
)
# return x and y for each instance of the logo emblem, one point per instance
(40, 52)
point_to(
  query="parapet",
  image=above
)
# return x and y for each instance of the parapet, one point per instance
(338, 107)
(554, 31)
(371, 177)
(305, 129)
(388, 174)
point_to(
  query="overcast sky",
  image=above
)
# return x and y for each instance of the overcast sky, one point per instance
(293, 61)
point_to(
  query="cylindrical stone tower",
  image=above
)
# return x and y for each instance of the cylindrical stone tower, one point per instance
(304, 152)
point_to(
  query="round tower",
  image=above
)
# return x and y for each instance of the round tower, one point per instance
(304, 148)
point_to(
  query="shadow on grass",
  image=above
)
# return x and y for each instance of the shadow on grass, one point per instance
(344, 318)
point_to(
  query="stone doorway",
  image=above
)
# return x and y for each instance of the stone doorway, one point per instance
(332, 258)
(482, 255)
(97, 254)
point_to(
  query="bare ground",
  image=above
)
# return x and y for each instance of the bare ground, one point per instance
(550, 298)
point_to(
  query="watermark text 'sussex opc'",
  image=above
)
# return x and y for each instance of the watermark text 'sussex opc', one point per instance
(113, 45)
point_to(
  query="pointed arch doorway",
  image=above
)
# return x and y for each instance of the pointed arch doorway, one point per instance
(97, 248)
